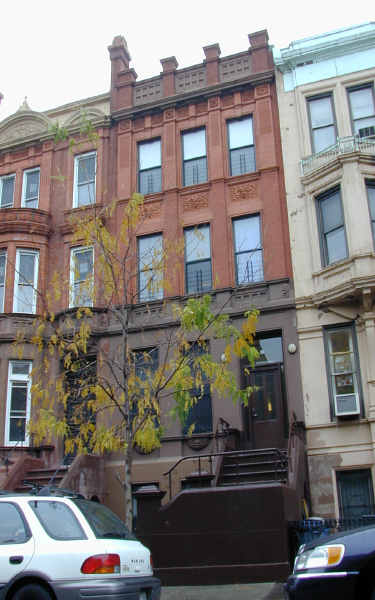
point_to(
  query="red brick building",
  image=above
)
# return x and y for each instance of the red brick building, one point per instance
(203, 145)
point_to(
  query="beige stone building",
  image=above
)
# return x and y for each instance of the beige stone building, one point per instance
(327, 113)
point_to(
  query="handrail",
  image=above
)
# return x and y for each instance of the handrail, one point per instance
(343, 145)
(281, 455)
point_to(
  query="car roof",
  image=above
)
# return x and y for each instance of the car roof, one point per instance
(42, 491)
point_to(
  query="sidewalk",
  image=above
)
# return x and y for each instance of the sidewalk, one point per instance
(243, 591)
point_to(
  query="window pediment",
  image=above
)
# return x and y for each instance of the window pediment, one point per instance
(22, 126)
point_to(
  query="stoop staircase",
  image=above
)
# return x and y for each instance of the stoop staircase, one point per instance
(40, 477)
(246, 467)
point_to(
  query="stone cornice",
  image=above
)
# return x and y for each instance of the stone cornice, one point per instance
(25, 220)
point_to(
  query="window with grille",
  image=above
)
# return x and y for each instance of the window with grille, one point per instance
(194, 157)
(149, 167)
(7, 190)
(198, 274)
(248, 250)
(343, 370)
(241, 146)
(85, 179)
(30, 188)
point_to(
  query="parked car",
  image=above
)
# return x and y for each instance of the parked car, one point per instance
(66, 547)
(337, 566)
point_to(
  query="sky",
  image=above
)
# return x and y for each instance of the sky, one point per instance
(56, 52)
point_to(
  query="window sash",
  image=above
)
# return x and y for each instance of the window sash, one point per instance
(81, 278)
(194, 157)
(198, 273)
(362, 107)
(18, 403)
(248, 250)
(150, 272)
(322, 122)
(85, 179)
(3, 263)
(26, 282)
(371, 203)
(150, 181)
(7, 190)
(30, 188)
(332, 228)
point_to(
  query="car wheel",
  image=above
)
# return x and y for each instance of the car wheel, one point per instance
(32, 591)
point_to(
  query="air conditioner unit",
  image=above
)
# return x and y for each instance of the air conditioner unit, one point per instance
(366, 131)
(346, 405)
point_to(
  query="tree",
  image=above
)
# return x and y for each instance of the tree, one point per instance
(102, 395)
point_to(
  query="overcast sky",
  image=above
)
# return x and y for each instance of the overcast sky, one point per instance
(56, 52)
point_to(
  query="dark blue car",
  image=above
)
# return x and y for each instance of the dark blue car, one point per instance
(338, 566)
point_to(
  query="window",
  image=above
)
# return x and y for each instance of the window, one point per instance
(248, 250)
(200, 414)
(146, 363)
(343, 370)
(194, 157)
(18, 402)
(84, 179)
(30, 188)
(198, 275)
(14, 529)
(150, 267)
(7, 191)
(371, 202)
(322, 121)
(81, 276)
(26, 281)
(362, 109)
(3, 262)
(58, 520)
(241, 146)
(355, 492)
(332, 228)
(149, 165)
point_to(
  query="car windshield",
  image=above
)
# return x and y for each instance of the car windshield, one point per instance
(103, 521)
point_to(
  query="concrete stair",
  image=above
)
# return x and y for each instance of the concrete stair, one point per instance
(254, 466)
(41, 477)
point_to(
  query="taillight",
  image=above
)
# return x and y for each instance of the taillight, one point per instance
(101, 563)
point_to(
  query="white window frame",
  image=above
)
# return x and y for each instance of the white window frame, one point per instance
(2, 177)
(2, 283)
(147, 293)
(14, 379)
(192, 157)
(73, 282)
(34, 283)
(77, 158)
(244, 150)
(24, 201)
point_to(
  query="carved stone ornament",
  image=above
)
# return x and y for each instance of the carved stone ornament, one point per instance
(151, 210)
(244, 191)
(91, 114)
(196, 201)
(23, 125)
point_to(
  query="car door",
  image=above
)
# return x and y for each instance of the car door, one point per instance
(16, 541)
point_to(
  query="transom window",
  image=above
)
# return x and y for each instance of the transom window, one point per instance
(332, 227)
(150, 267)
(30, 188)
(241, 146)
(7, 190)
(248, 250)
(3, 262)
(81, 278)
(362, 108)
(322, 120)
(194, 157)
(18, 402)
(149, 164)
(26, 280)
(198, 273)
(85, 179)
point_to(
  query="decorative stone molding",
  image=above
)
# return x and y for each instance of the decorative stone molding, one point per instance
(244, 191)
(190, 79)
(196, 201)
(91, 114)
(22, 126)
(25, 220)
(235, 67)
(151, 210)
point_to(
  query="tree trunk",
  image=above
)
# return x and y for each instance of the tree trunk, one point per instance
(128, 488)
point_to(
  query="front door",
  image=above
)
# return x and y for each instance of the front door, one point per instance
(264, 417)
